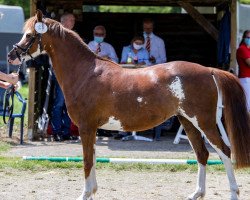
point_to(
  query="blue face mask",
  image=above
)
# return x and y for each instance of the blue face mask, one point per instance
(247, 41)
(98, 39)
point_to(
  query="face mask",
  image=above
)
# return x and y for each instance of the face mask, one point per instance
(98, 39)
(247, 41)
(137, 47)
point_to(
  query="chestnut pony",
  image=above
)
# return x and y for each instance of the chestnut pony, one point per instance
(100, 93)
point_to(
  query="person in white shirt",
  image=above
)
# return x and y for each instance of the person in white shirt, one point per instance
(154, 44)
(157, 54)
(101, 48)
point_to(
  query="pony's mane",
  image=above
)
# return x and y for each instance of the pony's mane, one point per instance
(56, 29)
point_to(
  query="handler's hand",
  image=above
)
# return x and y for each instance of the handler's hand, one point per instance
(13, 78)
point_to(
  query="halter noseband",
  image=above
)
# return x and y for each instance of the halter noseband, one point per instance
(25, 50)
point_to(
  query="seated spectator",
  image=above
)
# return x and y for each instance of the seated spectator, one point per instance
(101, 48)
(135, 52)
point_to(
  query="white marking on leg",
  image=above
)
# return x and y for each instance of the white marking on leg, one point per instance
(230, 172)
(90, 182)
(112, 124)
(201, 179)
(177, 89)
(201, 183)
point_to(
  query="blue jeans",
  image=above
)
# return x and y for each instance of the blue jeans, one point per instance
(60, 120)
(165, 125)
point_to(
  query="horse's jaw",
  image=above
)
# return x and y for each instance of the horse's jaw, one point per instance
(14, 62)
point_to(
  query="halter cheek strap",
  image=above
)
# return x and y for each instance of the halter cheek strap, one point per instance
(25, 50)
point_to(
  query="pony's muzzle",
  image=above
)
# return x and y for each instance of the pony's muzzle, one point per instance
(12, 57)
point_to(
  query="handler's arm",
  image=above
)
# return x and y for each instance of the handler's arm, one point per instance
(10, 78)
(4, 85)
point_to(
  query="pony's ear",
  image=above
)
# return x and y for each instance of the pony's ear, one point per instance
(39, 15)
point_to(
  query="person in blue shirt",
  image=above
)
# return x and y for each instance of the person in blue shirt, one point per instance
(135, 53)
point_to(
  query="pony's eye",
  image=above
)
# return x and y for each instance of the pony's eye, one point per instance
(28, 35)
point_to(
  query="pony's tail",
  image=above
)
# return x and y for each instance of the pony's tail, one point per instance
(236, 118)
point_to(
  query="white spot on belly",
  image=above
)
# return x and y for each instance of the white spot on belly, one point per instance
(112, 124)
(139, 99)
(176, 88)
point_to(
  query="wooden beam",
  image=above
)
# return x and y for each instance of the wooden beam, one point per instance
(233, 42)
(148, 2)
(200, 19)
(32, 80)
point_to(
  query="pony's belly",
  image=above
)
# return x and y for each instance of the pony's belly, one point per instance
(112, 124)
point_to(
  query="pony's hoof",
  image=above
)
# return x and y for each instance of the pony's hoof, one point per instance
(84, 198)
(195, 196)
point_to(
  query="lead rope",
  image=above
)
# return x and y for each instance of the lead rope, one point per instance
(8, 105)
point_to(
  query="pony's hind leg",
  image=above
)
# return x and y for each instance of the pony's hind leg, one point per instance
(201, 152)
(88, 143)
(224, 152)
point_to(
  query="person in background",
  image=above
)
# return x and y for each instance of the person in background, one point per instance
(137, 55)
(157, 54)
(104, 50)
(153, 44)
(60, 120)
(243, 59)
(101, 48)
(135, 52)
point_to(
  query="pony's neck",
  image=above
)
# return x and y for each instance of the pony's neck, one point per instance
(70, 56)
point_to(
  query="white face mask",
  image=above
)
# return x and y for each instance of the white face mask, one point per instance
(137, 47)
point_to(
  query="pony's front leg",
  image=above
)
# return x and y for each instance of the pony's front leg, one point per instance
(88, 143)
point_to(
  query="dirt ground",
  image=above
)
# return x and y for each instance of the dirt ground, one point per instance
(66, 184)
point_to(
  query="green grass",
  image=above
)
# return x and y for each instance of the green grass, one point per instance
(4, 147)
(36, 166)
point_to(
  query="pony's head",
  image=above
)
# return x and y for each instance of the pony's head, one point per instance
(31, 44)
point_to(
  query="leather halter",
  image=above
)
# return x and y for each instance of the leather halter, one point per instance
(9, 93)
(25, 50)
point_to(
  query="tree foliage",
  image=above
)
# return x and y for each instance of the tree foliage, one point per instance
(245, 1)
(25, 4)
(139, 9)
